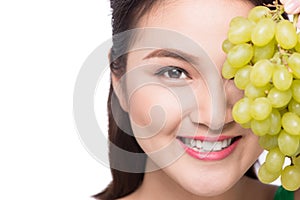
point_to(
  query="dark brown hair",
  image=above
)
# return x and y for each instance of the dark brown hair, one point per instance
(125, 15)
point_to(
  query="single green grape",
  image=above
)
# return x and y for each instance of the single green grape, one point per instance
(274, 160)
(282, 78)
(266, 176)
(242, 77)
(290, 177)
(253, 92)
(260, 108)
(228, 71)
(259, 12)
(297, 47)
(268, 142)
(294, 107)
(294, 64)
(291, 123)
(296, 90)
(261, 73)
(285, 34)
(263, 32)
(288, 144)
(240, 29)
(279, 98)
(260, 127)
(240, 55)
(241, 111)
(263, 52)
(275, 118)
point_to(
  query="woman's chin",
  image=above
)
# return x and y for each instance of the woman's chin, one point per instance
(208, 189)
(207, 181)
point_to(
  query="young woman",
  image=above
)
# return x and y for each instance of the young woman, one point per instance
(169, 101)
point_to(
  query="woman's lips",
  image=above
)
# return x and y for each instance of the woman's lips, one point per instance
(209, 149)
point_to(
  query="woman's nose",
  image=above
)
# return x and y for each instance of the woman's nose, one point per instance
(213, 108)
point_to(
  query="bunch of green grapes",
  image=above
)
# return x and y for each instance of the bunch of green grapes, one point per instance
(263, 58)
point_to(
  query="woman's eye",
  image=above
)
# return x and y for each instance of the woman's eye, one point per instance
(173, 73)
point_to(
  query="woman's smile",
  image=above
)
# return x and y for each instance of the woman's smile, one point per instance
(209, 149)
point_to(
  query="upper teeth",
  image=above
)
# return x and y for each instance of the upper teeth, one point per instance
(204, 146)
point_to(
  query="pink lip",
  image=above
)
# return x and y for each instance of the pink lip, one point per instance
(211, 156)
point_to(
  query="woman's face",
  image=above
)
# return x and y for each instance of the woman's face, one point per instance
(169, 98)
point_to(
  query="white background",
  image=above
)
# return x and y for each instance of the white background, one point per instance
(42, 47)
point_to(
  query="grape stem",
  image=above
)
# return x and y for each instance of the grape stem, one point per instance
(277, 12)
(281, 57)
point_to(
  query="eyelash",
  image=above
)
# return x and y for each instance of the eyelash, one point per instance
(162, 72)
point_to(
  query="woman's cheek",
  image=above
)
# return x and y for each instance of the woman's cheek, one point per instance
(155, 114)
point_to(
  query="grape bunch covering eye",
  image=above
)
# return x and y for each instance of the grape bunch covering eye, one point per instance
(263, 59)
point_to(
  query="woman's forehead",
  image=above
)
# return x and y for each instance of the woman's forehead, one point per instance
(191, 19)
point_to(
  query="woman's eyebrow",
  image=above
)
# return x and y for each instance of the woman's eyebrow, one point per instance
(173, 53)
